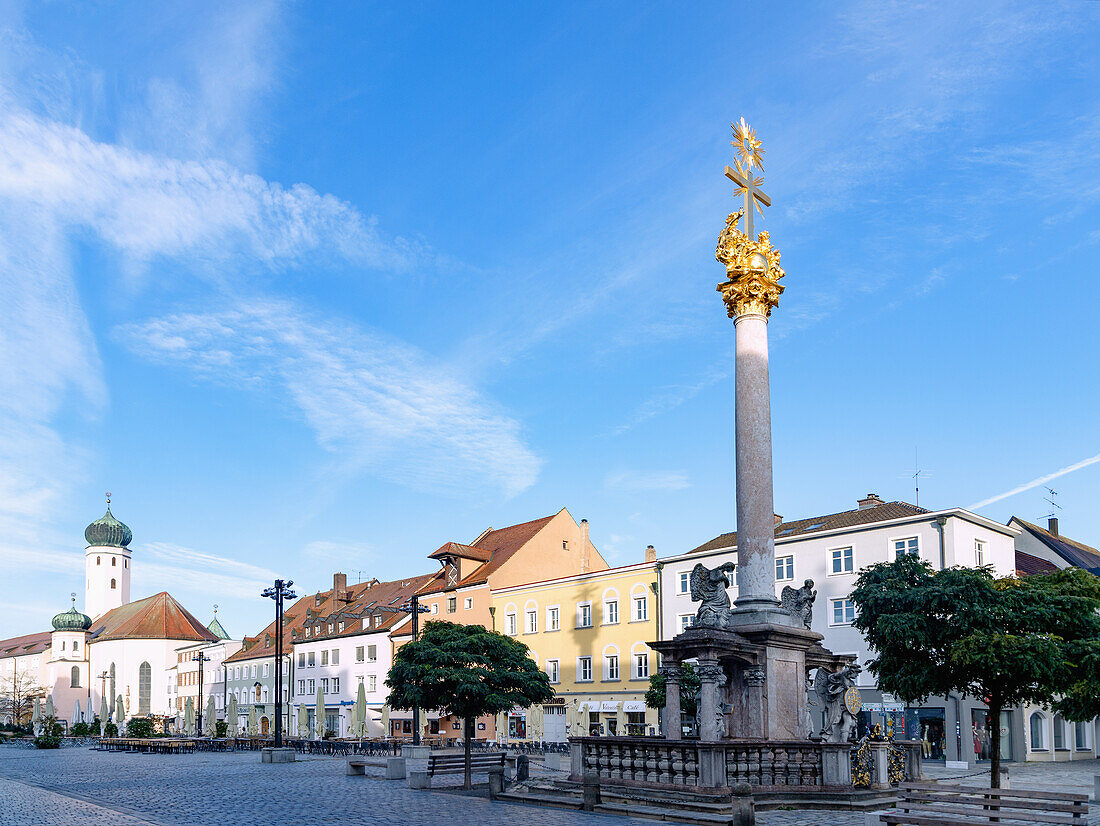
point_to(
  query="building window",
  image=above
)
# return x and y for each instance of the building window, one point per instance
(908, 545)
(842, 561)
(312, 687)
(611, 667)
(685, 581)
(76, 645)
(565, 544)
(844, 611)
(553, 619)
(685, 621)
(641, 609)
(1059, 732)
(1080, 737)
(324, 685)
(372, 653)
(335, 685)
(145, 687)
(340, 625)
(641, 666)
(468, 603)
(979, 552)
(252, 670)
(336, 656)
(312, 659)
(372, 683)
(74, 680)
(784, 568)
(301, 687)
(359, 655)
(324, 657)
(532, 625)
(301, 660)
(114, 562)
(452, 604)
(63, 645)
(584, 615)
(584, 669)
(611, 612)
(112, 584)
(510, 624)
(435, 607)
(553, 671)
(97, 560)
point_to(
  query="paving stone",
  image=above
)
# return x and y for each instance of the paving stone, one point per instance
(80, 786)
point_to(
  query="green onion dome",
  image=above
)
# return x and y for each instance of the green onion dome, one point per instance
(72, 620)
(107, 532)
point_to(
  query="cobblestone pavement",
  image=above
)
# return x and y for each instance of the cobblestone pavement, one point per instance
(80, 786)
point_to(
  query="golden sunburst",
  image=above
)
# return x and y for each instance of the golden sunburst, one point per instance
(749, 148)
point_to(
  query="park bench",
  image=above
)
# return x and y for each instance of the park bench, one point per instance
(934, 804)
(456, 764)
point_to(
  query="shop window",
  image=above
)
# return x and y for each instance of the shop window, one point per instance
(926, 725)
(982, 729)
(1080, 737)
(1059, 733)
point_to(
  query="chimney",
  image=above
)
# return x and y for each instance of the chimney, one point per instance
(1052, 525)
(778, 517)
(650, 553)
(871, 500)
(585, 562)
(339, 586)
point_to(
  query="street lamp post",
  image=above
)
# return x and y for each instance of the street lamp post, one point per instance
(414, 608)
(280, 591)
(200, 659)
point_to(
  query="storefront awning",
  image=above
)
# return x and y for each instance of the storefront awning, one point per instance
(609, 706)
(634, 705)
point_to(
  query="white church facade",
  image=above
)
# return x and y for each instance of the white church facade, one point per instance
(117, 650)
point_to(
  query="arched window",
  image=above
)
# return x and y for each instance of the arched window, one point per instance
(111, 699)
(97, 560)
(112, 584)
(63, 645)
(76, 645)
(1038, 738)
(145, 687)
(74, 681)
(114, 561)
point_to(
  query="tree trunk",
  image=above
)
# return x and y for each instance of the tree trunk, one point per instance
(468, 725)
(995, 742)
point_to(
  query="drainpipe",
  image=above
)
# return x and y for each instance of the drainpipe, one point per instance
(941, 523)
(660, 602)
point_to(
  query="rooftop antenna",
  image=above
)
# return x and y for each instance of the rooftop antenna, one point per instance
(916, 475)
(1049, 499)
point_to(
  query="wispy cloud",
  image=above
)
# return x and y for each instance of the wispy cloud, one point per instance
(372, 402)
(646, 480)
(169, 567)
(668, 398)
(1034, 483)
(340, 555)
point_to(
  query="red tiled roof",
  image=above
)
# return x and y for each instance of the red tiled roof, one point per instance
(361, 600)
(845, 519)
(158, 617)
(1026, 564)
(27, 644)
(499, 545)
(463, 551)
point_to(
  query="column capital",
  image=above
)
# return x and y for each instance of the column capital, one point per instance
(755, 675)
(752, 271)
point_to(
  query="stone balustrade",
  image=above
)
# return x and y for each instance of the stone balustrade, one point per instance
(655, 760)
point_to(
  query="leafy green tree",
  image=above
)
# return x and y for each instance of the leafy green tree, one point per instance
(1006, 641)
(139, 727)
(689, 693)
(110, 730)
(80, 730)
(221, 728)
(465, 671)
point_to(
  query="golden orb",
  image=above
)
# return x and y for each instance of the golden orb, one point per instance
(758, 262)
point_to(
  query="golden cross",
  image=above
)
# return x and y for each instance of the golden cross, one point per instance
(745, 181)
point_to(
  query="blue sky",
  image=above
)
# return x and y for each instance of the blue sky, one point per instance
(320, 287)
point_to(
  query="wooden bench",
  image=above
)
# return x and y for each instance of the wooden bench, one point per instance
(935, 804)
(456, 764)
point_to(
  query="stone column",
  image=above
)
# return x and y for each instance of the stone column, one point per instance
(671, 714)
(710, 678)
(756, 702)
(755, 510)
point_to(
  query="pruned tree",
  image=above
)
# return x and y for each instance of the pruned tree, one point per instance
(1005, 641)
(465, 671)
(18, 691)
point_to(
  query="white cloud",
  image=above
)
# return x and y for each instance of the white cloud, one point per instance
(636, 481)
(169, 567)
(352, 558)
(372, 402)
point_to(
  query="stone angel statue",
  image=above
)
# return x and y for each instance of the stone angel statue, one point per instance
(708, 586)
(832, 689)
(799, 602)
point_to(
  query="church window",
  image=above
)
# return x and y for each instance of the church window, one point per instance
(112, 584)
(114, 561)
(125, 563)
(76, 645)
(97, 560)
(74, 681)
(63, 645)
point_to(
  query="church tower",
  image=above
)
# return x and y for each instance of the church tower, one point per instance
(106, 565)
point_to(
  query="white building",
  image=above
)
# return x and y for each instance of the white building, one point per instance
(830, 550)
(116, 649)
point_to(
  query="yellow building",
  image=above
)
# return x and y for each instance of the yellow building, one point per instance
(589, 633)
